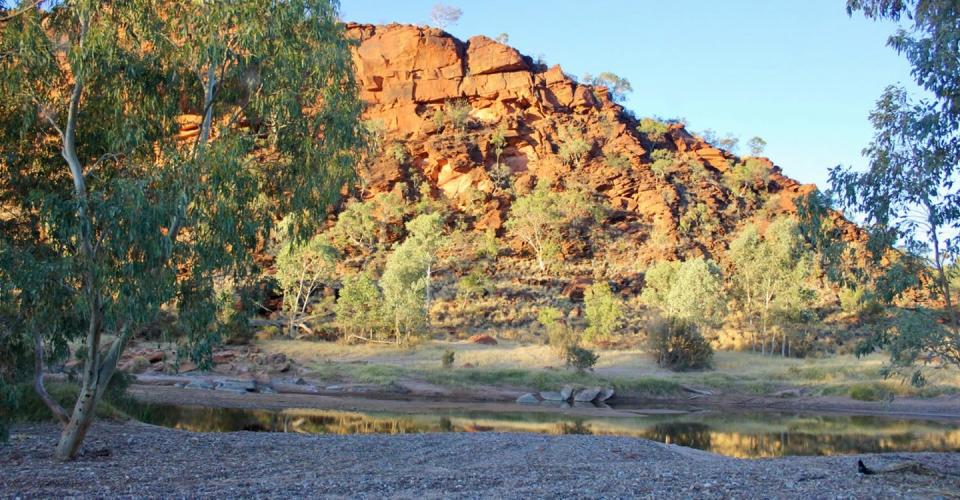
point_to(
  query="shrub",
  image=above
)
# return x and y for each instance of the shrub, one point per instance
(663, 160)
(604, 312)
(652, 128)
(473, 286)
(359, 306)
(678, 345)
(581, 359)
(457, 114)
(399, 153)
(691, 291)
(574, 147)
(560, 337)
(617, 161)
(752, 173)
(448, 358)
(869, 392)
(859, 301)
(698, 219)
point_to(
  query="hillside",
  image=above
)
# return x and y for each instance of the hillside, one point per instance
(408, 74)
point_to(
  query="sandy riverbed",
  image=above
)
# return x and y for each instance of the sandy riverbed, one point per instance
(133, 459)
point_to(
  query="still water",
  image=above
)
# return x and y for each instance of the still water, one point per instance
(737, 434)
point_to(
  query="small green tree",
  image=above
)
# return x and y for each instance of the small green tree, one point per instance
(653, 128)
(406, 277)
(574, 147)
(756, 145)
(771, 273)
(560, 336)
(691, 291)
(359, 308)
(499, 173)
(301, 271)
(474, 285)
(604, 312)
(535, 219)
(619, 87)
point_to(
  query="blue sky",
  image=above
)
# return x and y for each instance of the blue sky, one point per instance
(802, 74)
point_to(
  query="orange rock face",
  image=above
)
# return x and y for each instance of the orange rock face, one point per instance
(411, 77)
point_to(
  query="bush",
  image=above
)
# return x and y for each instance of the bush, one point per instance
(752, 173)
(860, 302)
(448, 358)
(581, 359)
(663, 160)
(652, 128)
(457, 114)
(869, 392)
(359, 309)
(574, 147)
(617, 161)
(473, 286)
(604, 312)
(560, 337)
(678, 345)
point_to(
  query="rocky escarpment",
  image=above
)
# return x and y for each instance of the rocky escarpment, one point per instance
(411, 76)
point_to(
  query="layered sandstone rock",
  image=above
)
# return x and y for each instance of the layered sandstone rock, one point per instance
(410, 76)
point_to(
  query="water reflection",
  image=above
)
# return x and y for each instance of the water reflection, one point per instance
(740, 434)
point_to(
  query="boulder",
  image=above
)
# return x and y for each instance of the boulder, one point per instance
(486, 56)
(605, 394)
(587, 395)
(200, 383)
(238, 386)
(567, 392)
(528, 399)
(552, 396)
(482, 339)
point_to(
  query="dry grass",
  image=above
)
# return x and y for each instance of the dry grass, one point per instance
(514, 363)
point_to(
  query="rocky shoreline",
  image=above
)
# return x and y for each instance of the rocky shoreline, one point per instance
(139, 460)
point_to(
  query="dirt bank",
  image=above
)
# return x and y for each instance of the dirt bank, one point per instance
(138, 460)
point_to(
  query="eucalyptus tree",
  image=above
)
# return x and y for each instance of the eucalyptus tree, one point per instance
(909, 193)
(146, 148)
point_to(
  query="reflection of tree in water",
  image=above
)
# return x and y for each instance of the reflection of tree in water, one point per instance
(690, 434)
(810, 436)
(575, 427)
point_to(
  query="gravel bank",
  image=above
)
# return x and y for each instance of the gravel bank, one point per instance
(138, 460)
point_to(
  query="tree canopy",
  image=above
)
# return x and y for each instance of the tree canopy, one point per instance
(145, 148)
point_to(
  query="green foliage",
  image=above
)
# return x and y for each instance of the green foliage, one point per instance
(617, 161)
(133, 219)
(859, 301)
(772, 273)
(749, 174)
(474, 285)
(618, 87)
(690, 291)
(869, 392)
(406, 277)
(663, 162)
(678, 345)
(448, 358)
(756, 145)
(604, 312)
(909, 196)
(356, 227)
(302, 270)
(457, 114)
(581, 359)
(535, 219)
(560, 336)
(359, 307)
(399, 153)
(574, 147)
(653, 128)
(698, 220)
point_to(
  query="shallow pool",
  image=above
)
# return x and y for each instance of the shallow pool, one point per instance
(738, 434)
